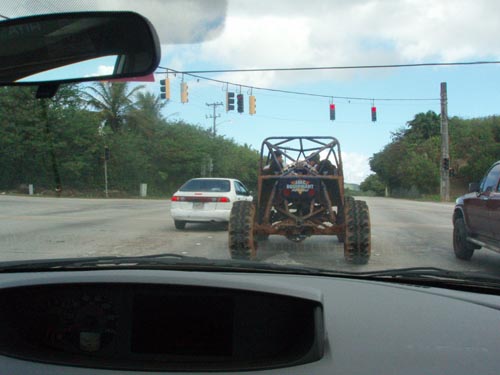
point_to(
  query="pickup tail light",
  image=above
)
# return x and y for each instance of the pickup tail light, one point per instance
(177, 198)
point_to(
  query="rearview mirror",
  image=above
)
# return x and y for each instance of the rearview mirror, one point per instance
(76, 47)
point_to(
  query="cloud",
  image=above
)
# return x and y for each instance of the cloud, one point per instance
(333, 33)
(102, 70)
(356, 167)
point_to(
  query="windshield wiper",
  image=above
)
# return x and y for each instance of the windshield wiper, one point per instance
(86, 262)
(151, 261)
(432, 276)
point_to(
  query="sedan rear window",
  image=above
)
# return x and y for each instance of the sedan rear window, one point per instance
(206, 185)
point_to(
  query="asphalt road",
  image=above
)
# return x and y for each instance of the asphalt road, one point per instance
(404, 234)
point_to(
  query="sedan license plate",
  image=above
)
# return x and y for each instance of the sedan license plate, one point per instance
(198, 205)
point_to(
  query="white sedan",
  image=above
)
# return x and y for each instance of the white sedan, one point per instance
(206, 200)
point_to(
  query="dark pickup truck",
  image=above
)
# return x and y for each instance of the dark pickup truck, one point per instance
(476, 219)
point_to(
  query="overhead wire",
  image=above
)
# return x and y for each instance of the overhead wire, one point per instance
(345, 67)
(169, 70)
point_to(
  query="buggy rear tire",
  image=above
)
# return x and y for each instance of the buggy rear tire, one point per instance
(242, 244)
(357, 239)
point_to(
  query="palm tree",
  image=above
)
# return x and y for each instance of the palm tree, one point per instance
(150, 105)
(146, 115)
(113, 101)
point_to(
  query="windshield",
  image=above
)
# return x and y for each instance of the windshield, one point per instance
(206, 185)
(352, 129)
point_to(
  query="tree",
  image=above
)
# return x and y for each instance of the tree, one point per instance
(145, 116)
(373, 183)
(410, 162)
(47, 141)
(113, 101)
(423, 126)
(474, 146)
(64, 133)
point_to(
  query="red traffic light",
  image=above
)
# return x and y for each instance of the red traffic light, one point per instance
(374, 114)
(332, 112)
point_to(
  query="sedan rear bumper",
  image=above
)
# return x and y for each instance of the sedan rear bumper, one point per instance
(200, 215)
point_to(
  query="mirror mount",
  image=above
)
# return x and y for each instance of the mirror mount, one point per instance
(46, 90)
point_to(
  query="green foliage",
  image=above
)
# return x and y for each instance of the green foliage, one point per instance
(144, 147)
(373, 184)
(410, 164)
(474, 146)
(113, 101)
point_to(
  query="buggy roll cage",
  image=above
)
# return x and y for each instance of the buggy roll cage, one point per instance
(308, 147)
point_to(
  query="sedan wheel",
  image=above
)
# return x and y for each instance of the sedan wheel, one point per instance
(179, 224)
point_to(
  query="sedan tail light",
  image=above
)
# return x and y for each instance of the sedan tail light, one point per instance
(177, 198)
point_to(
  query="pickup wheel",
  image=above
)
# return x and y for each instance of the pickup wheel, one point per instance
(179, 224)
(463, 249)
(242, 244)
(357, 238)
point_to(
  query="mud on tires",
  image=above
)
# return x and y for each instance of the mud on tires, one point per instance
(357, 241)
(242, 244)
(348, 200)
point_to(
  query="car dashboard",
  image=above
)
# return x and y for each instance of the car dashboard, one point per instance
(139, 321)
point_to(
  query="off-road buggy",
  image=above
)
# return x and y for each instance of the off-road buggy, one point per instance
(301, 197)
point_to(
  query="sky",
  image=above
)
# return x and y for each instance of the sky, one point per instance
(219, 34)
(337, 33)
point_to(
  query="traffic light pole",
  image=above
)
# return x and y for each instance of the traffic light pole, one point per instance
(214, 116)
(445, 152)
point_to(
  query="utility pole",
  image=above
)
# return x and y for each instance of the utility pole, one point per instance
(214, 116)
(106, 178)
(445, 150)
(106, 158)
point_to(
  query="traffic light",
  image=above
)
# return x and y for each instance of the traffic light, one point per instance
(374, 113)
(229, 101)
(251, 105)
(165, 88)
(332, 112)
(106, 153)
(239, 99)
(446, 164)
(184, 93)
